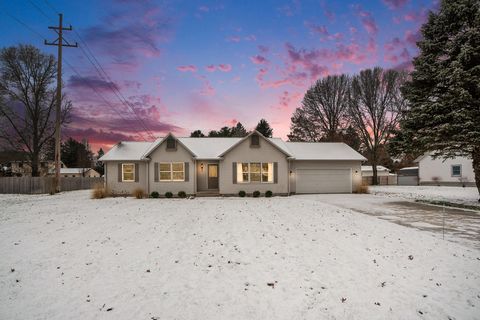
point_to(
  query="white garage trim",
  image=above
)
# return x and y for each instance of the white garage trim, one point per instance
(323, 180)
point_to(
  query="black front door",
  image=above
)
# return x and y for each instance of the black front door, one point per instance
(213, 176)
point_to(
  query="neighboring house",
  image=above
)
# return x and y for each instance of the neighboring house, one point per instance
(229, 165)
(456, 171)
(408, 176)
(24, 168)
(77, 172)
(384, 177)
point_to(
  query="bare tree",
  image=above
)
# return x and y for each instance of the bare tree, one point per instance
(375, 107)
(27, 100)
(323, 112)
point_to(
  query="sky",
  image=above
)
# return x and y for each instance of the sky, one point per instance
(145, 68)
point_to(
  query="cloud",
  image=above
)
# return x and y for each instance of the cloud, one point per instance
(211, 68)
(412, 37)
(263, 49)
(126, 38)
(322, 30)
(234, 39)
(207, 88)
(225, 67)
(368, 22)
(258, 59)
(187, 68)
(204, 9)
(87, 82)
(395, 4)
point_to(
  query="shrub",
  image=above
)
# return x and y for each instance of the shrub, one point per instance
(268, 194)
(154, 194)
(182, 194)
(168, 194)
(138, 193)
(256, 194)
(363, 189)
(99, 191)
(242, 193)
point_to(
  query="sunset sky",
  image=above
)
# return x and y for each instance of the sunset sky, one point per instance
(186, 65)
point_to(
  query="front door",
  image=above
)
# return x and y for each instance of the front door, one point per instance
(213, 176)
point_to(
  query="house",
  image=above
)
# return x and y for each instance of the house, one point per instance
(384, 177)
(77, 172)
(407, 176)
(228, 165)
(456, 171)
(24, 168)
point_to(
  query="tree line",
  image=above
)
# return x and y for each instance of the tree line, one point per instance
(237, 130)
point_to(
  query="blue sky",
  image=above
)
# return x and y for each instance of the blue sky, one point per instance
(186, 65)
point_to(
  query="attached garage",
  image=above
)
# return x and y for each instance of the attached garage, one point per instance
(324, 181)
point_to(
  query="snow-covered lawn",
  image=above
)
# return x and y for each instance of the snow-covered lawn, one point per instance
(468, 195)
(70, 257)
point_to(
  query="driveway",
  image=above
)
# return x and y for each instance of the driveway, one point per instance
(460, 225)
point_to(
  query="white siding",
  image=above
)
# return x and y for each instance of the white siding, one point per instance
(428, 169)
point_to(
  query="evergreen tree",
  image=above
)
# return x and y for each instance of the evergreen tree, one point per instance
(264, 128)
(76, 154)
(239, 130)
(444, 90)
(197, 134)
(99, 167)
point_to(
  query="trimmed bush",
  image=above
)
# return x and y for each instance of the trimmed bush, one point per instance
(268, 194)
(168, 194)
(363, 189)
(154, 194)
(99, 192)
(138, 193)
(242, 193)
(256, 194)
(182, 194)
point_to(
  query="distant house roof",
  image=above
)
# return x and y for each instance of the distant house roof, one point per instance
(214, 148)
(379, 168)
(409, 168)
(74, 170)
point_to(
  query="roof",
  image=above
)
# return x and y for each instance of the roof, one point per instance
(126, 150)
(272, 141)
(379, 168)
(74, 170)
(323, 151)
(215, 148)
(409, 168)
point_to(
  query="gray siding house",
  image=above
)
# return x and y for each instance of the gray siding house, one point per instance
(228, 165)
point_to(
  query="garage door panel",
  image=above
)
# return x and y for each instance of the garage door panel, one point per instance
(324, 181)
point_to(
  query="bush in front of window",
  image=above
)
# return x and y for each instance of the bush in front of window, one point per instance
(138, 193)
(182, 194)
(268, 194)
(154, 194)
(168, 194)
(256, 194)
(242, 193)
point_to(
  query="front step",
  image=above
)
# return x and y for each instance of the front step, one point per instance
(207, 194)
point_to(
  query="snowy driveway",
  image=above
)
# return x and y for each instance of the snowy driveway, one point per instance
(70, 257)
(460, 225)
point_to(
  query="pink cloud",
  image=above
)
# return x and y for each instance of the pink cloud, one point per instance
(211, 68)
(204, 8)
(187, 68)
(225, 67)
(207, 88)
(263, 49)
(322, 30)
(412, 37)
(233, 39)
(258, 59)
(395, 4)
(251, 37)
(368, 22)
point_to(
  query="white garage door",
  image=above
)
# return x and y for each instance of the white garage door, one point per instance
(324, 181)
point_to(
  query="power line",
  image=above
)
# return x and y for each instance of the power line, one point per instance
(74, 70)
(104, 76)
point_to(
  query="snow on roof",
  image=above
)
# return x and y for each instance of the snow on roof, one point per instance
(212, 148)
(126, 150)
(379, 168)
(409, 168)
(208, 148)
(73, 170)
(323, 151)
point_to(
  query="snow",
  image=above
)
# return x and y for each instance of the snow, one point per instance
(467, 195)
(223, 258)
(323, 151)
(126, 150)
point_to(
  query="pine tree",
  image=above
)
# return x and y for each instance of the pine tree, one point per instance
(264, 128)
(197, 134)
(239, 130)
(444, 90)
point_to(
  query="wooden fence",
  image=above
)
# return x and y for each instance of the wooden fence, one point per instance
(37, 185)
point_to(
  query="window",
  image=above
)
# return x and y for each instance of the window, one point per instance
(171, 143)
(172, 171)
(256, 172)
(128, 172)
(255, 140)
(456, 170)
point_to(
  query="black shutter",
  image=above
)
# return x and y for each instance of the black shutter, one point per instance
(234, 169)
(186, 171)
(136, 172)
(155, 172)
(119, 172)
(275, 172)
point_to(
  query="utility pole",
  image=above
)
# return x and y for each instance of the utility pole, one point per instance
(60, 42)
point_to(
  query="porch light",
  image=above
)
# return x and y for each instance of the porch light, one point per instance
(201, 166)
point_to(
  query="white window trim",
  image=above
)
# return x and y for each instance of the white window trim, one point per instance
(451, 170)
(171, 172)
(123, 172)
(249, 173)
